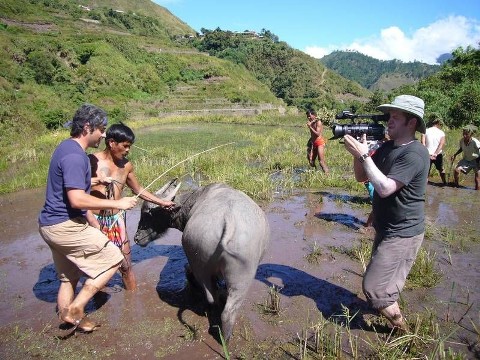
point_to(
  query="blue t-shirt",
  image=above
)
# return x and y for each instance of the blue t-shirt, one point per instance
(69, 169)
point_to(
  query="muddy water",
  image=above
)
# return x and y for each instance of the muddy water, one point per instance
(159, 319)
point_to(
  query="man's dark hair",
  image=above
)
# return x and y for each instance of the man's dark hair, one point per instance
(87, 114)
(119, 133)
(311, 112)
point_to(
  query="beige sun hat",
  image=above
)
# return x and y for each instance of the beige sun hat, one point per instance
(410, 104)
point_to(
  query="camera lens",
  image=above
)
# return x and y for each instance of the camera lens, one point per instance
(373, 131)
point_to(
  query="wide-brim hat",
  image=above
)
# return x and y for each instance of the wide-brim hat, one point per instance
(410, 104)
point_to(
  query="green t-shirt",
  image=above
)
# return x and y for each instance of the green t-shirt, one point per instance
(402, 213)
(470, 151)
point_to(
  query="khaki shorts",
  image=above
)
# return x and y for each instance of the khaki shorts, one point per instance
(79, 249)
(392, 259)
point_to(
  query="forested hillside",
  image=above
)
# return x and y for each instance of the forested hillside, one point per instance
(136, 59)
(126, 56)
(292, 75)
(376, 74)
(453, 92)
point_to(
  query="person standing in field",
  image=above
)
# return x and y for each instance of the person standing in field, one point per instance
(78, 249)
(470, 147)
(398, 172)
(111, 170)
(434, 140)
(316, 143)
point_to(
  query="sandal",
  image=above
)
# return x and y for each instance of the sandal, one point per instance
(87, 326)
(82, 324)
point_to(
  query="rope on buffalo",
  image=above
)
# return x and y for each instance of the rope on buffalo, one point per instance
(174, 166)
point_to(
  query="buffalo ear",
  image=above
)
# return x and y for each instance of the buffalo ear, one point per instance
(165, 188)
(171, 196)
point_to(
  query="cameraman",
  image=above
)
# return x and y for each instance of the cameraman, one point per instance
(398, 171)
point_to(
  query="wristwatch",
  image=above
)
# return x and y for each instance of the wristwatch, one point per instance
(362, 158)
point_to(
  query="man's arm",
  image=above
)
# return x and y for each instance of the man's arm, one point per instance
(457, 152)
(367, 170)
(133, 184)
(440, 146)
(383, 185)
(79, 199)
(313, 126)
(92, 220)
(477, 143)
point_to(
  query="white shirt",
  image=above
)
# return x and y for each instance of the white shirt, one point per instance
(472, 150)
(433, 135)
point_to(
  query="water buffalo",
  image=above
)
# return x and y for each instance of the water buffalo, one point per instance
(225, 234)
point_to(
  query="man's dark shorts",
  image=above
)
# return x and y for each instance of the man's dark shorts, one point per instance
(438, 162)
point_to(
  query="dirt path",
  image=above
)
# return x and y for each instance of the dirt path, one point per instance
(164, 320)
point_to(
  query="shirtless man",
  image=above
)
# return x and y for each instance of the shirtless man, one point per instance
(316, 143)
(111, 170)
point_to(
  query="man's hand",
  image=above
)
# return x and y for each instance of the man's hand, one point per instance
(167, 205)
(355, 147)
(127, 203)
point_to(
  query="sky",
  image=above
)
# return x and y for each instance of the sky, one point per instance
(408, 30)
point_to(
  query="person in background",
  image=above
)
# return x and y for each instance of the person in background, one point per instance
(370, 190)
(470, 147)
(78, 249)
(111, 170)
(316, 143)
(398, 172)
(434, 140)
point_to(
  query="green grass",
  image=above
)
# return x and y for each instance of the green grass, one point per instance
(264, 159)
(269, 154)
(424, 273)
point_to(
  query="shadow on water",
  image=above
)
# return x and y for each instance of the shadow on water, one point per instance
(177, 289)
(345, 198)
(172, 289)
(47, 285)
(328, 297)
(348, 220)
(172, 278)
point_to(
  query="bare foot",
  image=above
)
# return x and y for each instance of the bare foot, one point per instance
(71, 316)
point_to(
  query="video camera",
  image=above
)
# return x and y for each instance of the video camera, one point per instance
(374, 130)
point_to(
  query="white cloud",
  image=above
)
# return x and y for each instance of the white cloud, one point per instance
(425, 44)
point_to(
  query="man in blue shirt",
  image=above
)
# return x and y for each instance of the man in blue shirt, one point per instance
(78, 249)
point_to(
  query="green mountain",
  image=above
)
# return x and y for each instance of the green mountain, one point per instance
(126, 56)
(292, 75)
(136, 59)
(452, 93)
(377, 74)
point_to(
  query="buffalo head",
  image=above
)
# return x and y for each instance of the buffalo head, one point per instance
(154, 220)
